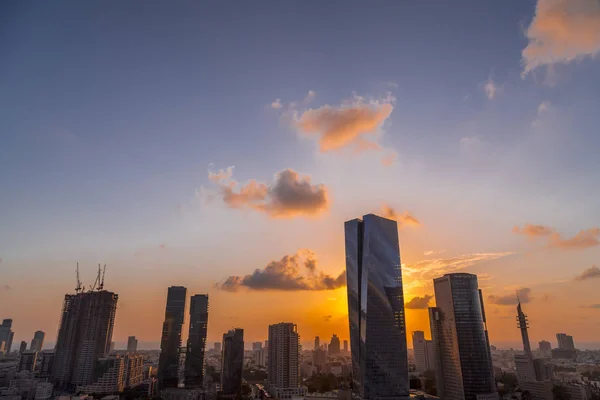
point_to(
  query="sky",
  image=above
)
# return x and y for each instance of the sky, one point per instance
(221, 146)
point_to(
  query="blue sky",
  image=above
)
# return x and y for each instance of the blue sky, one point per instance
(112, 113)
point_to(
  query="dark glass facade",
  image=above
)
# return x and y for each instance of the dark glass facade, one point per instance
(376, 309)
(464, 364)
(168, 363)
(196, 344)
(232, 363)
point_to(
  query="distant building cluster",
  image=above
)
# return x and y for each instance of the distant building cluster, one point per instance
(456, 363)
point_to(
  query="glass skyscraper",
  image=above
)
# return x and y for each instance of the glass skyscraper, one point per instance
(232, 362)
(464, 368)
(376, 309)
(196, 344)
(168, 363)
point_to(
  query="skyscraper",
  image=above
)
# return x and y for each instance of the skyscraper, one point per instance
(464, 368)
(6, 334)
(168, 363)
(22, 347)
(545, 349)
(84, 336)
(317, 342)
(232, 362)
(196, 344)
(38, 341)
(47, 364)
(283, 360)
(345, 346)
(27, 361)
(565, 342)
(524, 362)
(334, 345)
(423, 350)
(376, 308)
(132, 343)
(256, 346)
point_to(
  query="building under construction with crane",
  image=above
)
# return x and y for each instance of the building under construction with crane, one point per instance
(85, 332)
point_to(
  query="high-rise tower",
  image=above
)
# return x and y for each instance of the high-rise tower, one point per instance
(232, 362)
(6, 334)
(84, 336)
(168, 363)
(37, 343)
(196, 344)
(376, 309)
(283, 360)
(464, 368)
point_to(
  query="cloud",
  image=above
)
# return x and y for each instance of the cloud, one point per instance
(389, 159)
(533, 231)
(433, 252)
(595, 306)
(592, 272)
(421, 273)
(298, 272)
(419, 303)
(562, 31)
(290, 195)
(276, 105)
(491, 89)
(347, 125)
(584, 239)
(511, 299)
(6, 288)
(327, 318)
(403, 219)
(544, 107)
(309, 97)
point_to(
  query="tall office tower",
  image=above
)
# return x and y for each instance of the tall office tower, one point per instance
(134, 370)
(168, 363)
(6, 334)
(334, 345)
(217, 346)
(132, 343)
(196, 344)
(84, 336)
(565, 342)
(38, 341)
(464, 368)
(259, 357)
(256, 346)
(47, 365)
(345, 346)
(27, 361)
(22, 347)
(524, 362)
(283, 360)
(545, 349)
(317, 342)
(232, 362)
(376, 309)
(424, 352)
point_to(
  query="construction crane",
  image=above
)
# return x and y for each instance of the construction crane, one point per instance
(101, 285)
(79, 287)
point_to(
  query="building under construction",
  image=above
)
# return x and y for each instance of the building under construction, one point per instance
(85, 333)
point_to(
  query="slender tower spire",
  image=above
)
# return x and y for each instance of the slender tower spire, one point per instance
(523, 324)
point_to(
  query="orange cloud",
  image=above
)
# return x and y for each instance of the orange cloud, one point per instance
(403, 219)
(583, 240)
(534, 231)
(419, 303)
(562, 31)
(523, 295)
(290, 195)
(286, 275)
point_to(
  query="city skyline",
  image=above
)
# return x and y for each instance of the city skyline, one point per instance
(178, 161)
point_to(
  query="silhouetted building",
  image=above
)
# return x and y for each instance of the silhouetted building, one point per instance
(6, 335)
(376, 308)
(423, 352)
(217, 346)
(334, 345)
(84, 336)
(108, 376)
(168, 364)
(27, 361)
(196, 344)
(317, 342)
(22, 347)
(565, 342)
(256, 346)
(132, 344)
(524, 362)
(319, 359)
(47, 364)
(259, 357)
(134, 369)
(345, 346)
(545, 349)
(464, 368)
(283, 361)
(37, 343)
(232, 362)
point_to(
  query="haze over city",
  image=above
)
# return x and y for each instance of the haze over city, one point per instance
(222, 148)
